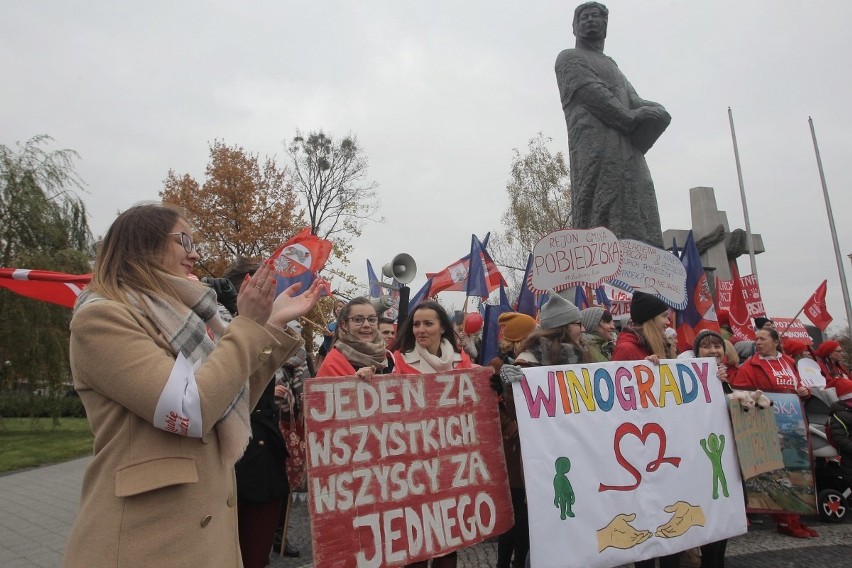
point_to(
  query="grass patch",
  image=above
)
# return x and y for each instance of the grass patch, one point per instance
(28, 442)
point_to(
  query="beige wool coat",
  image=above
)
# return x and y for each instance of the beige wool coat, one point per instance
(151, 497)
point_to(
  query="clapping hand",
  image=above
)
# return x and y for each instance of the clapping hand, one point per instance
(288, 306)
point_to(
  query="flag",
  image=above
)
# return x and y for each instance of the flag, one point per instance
(476, 284)
(580, 299)
(700, 312)
(490, 328)
(375, 288)
(454, 278)
(526, 302)
(300, 259)
(53, 287)
(738, 311)
(815, 308)
(674, 250)
(421, 295)
(601, 298)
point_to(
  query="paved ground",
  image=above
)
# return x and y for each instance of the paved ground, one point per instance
(38, 506)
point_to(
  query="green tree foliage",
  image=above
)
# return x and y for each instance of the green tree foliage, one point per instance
(331, 178)
(539, 191)
(244, 208)
(43, 226)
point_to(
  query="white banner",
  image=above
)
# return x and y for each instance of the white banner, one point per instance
(626, 461)
(572, 257)
(652, 270)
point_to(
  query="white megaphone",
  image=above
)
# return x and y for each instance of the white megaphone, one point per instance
(381, 304)
(402, 268)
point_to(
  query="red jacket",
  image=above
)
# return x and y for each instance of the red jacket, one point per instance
(629, 346)
(403, 368)
(776, 375)
(335, 364)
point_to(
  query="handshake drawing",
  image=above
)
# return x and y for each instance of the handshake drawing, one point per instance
(619, 533)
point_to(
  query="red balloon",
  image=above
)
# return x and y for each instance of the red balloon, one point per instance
(472, 323)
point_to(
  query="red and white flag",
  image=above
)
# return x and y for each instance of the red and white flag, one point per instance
(738, 315)
(815, 309)
(53, 287)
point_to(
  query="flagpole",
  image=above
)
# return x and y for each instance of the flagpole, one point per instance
(843, 287)
(743, 198)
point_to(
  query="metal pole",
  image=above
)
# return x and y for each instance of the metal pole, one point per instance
(843, 286)
(743, 199)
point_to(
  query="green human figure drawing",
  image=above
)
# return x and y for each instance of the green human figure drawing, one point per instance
(563, 493)
(714, 446)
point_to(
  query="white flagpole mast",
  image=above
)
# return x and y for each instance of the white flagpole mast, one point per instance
(843, 287)
(743, 199)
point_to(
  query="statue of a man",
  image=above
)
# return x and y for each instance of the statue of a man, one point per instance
(609, 130)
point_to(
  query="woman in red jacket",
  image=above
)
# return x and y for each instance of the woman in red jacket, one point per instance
(770, 370)
(358, 349)
(426, 343)
(645, 339)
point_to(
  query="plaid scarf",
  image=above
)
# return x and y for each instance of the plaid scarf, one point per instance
(185, 327)
(360, 353)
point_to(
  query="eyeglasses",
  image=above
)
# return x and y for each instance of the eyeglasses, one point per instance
(359, 320)
(185, 241)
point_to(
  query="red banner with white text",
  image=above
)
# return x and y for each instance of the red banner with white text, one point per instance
(403, 468)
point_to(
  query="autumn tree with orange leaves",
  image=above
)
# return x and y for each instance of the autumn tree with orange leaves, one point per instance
(243, 208)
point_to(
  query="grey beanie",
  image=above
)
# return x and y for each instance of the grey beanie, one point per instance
(557, 312)
(591, 318)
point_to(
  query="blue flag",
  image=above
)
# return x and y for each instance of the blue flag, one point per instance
(601, 298)
(580, 299)
(700, 311)
(476, 282)
(491, 329)
(527, 303)
(375, 289)
(421, 295)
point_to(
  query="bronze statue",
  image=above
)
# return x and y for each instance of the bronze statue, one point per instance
(609, 130)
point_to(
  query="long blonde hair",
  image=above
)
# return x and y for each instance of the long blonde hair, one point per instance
(129, 258)
(655, 339)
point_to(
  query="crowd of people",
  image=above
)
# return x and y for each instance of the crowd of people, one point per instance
(195, 404)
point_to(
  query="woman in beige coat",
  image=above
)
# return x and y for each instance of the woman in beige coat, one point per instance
(167, 391)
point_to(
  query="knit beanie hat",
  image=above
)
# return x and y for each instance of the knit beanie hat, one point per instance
(826, 348)
(591, 318)
(793, 347)
(644, 307)
(759, 322)
(843, 388)
(706, 333)
(557, 312)
(516, 326)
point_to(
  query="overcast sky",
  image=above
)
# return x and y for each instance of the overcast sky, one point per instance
(439, 93)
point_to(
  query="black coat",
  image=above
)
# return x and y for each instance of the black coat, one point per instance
(261, 473)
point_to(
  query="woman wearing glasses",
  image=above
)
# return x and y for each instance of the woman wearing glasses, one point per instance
(358, 348)
(167, 390)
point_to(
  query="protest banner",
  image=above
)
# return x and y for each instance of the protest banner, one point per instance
(652, 270)
(572, 257)
(792, 329)
(403, 468)
(791, 488)
(626, 461)
(756, 433)
(750, 291)
(810, 373)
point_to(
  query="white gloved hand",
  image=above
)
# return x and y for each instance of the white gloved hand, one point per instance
(511, 373)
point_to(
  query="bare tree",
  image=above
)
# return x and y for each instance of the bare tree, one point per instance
(331, 177)
(539, 190)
